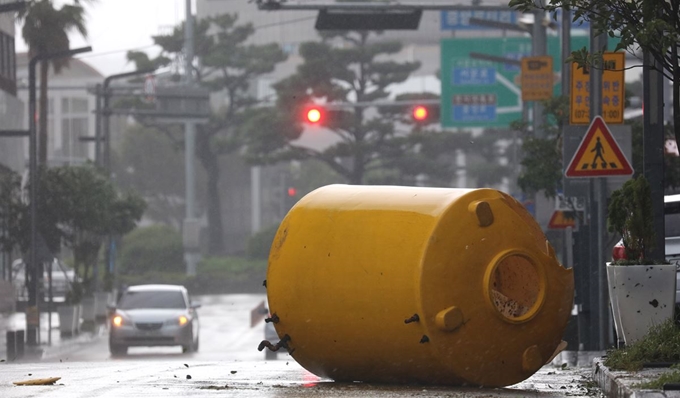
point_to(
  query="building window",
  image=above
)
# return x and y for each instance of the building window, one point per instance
(74, 124)
(8, 78)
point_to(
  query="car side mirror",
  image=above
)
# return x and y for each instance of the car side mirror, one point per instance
(195, 305)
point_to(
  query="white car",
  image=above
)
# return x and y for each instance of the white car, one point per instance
(62, 278)
(154, 315)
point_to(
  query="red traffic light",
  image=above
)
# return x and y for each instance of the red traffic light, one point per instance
(419, 113)
(314, 115)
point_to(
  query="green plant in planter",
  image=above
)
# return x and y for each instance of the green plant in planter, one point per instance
(75, 295)
(107, 281)
(630, 215)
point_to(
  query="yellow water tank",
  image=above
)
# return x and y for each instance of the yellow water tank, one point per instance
(417, 285)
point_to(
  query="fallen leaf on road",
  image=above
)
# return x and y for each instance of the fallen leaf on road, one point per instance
(186, 365)
(37, 382)
(233, 371)
(188, 377)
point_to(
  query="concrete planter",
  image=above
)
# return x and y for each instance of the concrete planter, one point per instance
(88, 313)
(67, 320)
(78, 319)
(641, 296)
(101, 302)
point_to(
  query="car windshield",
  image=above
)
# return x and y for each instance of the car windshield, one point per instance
(152, 299)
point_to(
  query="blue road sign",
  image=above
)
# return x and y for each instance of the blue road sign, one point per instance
(460, 20)
(474, 76)
(474, 107)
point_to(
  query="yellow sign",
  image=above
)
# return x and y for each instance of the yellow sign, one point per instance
(537, 78)
(559, 220)
(32, 316)
(613, 90)
(598, 155)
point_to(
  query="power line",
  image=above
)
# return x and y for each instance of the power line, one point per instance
(266, 26)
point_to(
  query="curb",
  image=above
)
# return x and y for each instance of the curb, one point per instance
(620, 384)
(66, 347)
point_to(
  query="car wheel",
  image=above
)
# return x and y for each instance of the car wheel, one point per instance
(268, 354)
(118, 349)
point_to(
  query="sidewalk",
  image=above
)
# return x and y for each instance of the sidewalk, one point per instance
(620, 384)
(51, 343)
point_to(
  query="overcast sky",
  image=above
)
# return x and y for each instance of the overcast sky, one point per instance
(116, 26)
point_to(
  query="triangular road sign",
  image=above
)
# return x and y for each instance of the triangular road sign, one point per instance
(560, 221)
(598, 155)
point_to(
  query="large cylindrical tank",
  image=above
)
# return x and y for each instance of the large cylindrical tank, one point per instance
(417, 285)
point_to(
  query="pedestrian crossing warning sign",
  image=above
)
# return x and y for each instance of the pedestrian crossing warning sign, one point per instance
(598, 155)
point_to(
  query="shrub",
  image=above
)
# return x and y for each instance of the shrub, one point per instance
(153, 248)
(260, 243)
(230, 265)
(215, 275)
(660, 344)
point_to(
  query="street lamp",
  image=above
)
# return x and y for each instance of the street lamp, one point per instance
(32, 312)
(106, 112)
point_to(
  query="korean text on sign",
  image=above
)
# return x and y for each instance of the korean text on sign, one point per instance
(613, 90)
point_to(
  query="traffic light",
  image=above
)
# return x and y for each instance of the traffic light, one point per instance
(425, 113)
(291, 192)
(314, 115)
(419, 113)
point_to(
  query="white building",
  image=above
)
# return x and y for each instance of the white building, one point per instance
(70, 109)
(12, 115)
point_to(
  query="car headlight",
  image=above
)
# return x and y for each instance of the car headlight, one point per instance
(117, 321)
(180, 320)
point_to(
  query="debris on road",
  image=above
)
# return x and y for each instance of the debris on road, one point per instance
(38, 382)
(214, 387)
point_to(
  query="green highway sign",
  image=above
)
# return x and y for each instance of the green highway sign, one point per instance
(483, 91)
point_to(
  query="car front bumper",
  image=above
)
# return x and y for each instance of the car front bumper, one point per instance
(144, 335)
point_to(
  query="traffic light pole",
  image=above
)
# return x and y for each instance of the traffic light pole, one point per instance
(538, 48)
(281, 5)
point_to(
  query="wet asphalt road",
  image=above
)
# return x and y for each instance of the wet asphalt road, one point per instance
(229, 365)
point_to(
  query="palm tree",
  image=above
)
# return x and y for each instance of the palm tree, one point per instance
(45, 30)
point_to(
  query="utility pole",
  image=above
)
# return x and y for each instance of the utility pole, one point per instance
(34, 266)
(598, 195)
(190, 230)
(538, 48)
